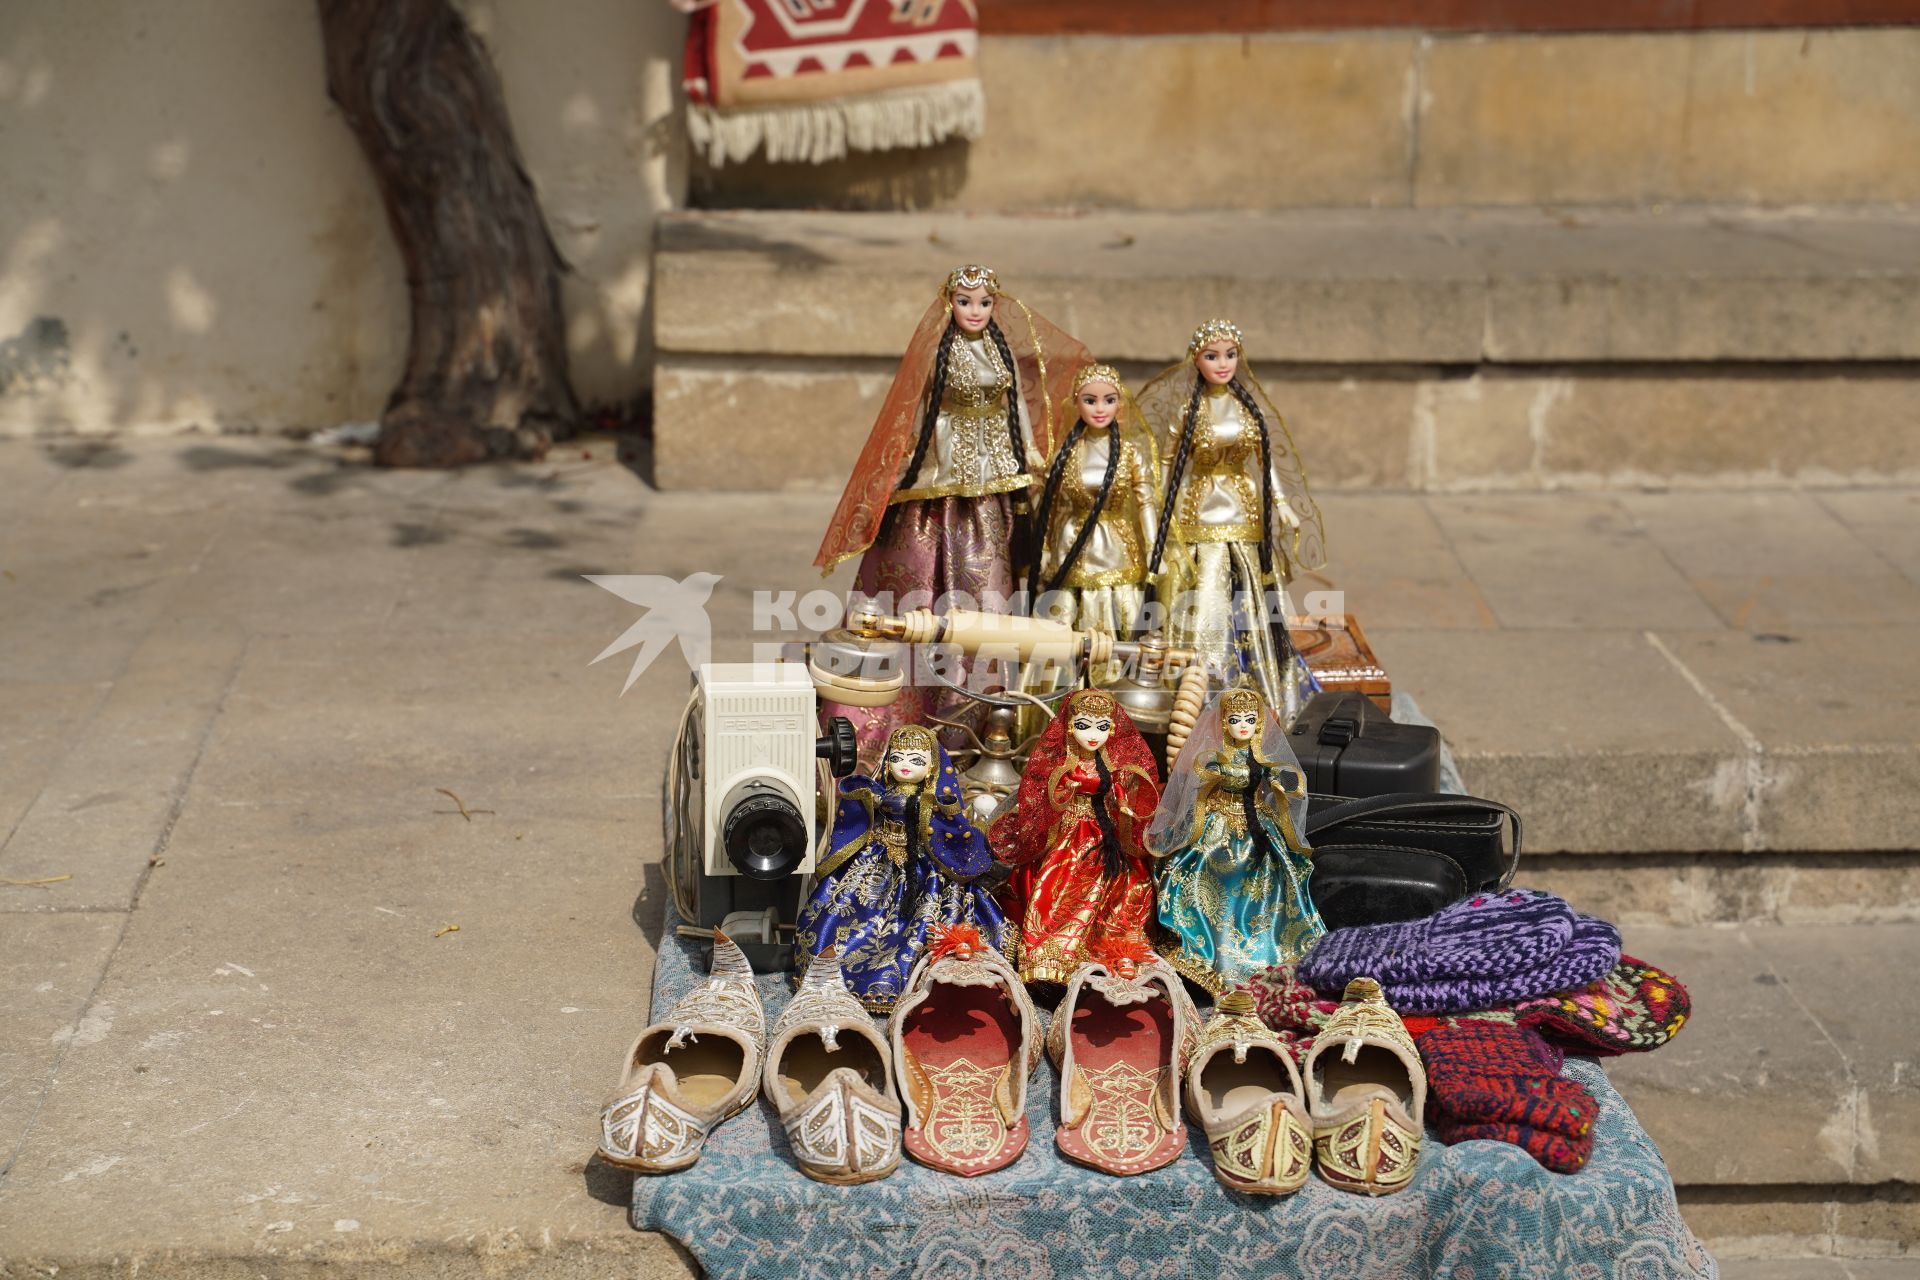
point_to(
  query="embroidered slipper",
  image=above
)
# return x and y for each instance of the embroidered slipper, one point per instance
(1121, 1038)
(965, 1039)
(1246, 1093)
(829, 1078)
(1367, 1093)
(687, 1073)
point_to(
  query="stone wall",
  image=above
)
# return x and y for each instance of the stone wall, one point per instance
(191, 237)
(1399, 118)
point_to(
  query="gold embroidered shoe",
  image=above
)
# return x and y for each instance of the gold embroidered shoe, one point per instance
(1367, 1093)
(965, 1039)
(1244, 1090)
(1121, 1038)
(827, 1074)
(688, 1072)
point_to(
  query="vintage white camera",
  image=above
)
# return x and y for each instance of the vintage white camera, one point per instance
(748, 785)
(754, 760)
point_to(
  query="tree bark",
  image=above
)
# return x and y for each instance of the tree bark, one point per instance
(486, 373)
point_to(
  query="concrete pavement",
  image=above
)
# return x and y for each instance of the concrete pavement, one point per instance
(237, 673)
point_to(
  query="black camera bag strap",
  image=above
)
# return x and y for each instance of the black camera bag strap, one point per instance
(1471, 831)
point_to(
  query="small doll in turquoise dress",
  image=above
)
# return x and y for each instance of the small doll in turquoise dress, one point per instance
(902, 859)
(1232, 878)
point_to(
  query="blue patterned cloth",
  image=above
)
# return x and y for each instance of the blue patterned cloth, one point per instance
(1475, 1211)
(1479, 1209)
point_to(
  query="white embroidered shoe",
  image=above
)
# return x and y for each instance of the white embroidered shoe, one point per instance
(1246, 1093)
(828, 1076)
(688, 1072)
(965, 1038)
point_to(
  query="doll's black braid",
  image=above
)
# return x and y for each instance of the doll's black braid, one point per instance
(936, 392)
(1113, 857)
(1282, 638)
(1013, 392)
(1054, 475)
(1047, 493)
(1176, 471)
(1254, 416)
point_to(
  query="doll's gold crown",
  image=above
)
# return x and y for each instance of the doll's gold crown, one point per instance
(912, 737)
(1240, 700)
(1094, 702)
(973, 276)
(1213, 331)
(1098, 373)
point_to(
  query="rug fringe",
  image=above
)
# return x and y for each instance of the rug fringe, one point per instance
(816, 132)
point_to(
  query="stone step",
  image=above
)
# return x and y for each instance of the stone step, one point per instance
(1411, 349)
(1788, 1108)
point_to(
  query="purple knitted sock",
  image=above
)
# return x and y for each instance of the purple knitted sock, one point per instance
(1485, 936)
(1592, 951)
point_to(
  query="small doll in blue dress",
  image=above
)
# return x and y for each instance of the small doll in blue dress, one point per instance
(1232, 878)
(902, 859)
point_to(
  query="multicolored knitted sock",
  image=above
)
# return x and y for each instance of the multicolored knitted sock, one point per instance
(1487, 1078)
(1633, 1008)
(1554, 1151)
(1287, 1005)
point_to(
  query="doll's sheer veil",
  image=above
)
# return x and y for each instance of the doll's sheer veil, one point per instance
(1177, 819)
(1164, 400)
(1045, 360)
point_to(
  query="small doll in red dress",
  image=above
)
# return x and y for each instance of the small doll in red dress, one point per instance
(1080, 879)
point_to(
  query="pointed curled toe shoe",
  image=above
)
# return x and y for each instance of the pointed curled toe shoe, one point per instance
(1367, 1093)
(1120, 1038)
(1244, 1090)
(965, 1039)
(688, 1072)
(827, 1075)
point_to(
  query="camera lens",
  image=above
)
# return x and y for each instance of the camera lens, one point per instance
(763, 832)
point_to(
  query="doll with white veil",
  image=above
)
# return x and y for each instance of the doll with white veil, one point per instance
(1236, 520)
(1232, 879)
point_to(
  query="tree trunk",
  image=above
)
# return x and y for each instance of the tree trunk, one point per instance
(486, 373)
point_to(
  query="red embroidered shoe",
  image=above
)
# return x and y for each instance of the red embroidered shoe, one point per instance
(965, 1039)
(1121, 1038)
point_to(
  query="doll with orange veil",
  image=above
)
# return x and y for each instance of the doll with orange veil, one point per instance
(1074, 839)
(936, 507)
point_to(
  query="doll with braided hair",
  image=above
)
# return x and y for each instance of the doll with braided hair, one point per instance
(1097, 511)
(937, 505)
(1236, 520)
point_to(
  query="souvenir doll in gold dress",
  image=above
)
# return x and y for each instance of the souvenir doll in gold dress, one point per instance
(1080, 879)
(1097, 511)
(1231, 885)
(1236, 521)
(935, 507)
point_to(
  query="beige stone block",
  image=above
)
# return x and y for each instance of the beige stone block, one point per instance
(1773, 564)
(1747, 1223)
(1783, 116)
(1206, 122)
(1546, 119)
(1201, 122)
(802, 424)
(1774, 117)
(1731, 429)
(1561, 725)
(1567, 560)
(1391, 559)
